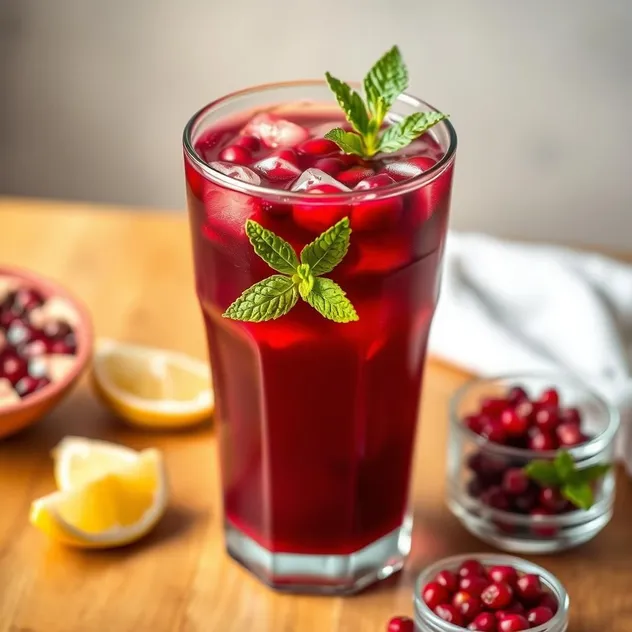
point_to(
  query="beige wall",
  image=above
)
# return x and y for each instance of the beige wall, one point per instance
(94, 94)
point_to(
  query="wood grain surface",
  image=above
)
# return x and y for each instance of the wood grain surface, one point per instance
(134, 272)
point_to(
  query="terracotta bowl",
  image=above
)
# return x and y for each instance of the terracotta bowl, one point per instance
(19, 415)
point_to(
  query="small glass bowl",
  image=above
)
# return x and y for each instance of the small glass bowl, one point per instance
(476, 465)
(428, 621)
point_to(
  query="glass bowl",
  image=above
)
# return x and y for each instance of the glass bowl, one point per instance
(533, 520)
(427, 621)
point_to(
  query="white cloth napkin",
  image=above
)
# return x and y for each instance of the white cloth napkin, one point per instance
(508, 307)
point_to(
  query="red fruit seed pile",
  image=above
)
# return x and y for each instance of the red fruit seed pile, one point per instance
(535, 424)
(518, 421)
(493, 599)
(22, 343)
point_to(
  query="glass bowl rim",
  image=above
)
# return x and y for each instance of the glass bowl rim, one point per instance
(582, 451)
(422, 611)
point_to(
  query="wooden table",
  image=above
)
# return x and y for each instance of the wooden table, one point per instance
(134, 271)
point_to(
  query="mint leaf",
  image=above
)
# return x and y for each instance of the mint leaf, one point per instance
(385, 82)
(580, 494)
(329, 299)
(328, 249)
(349, 142)
(543, 472)
(351, 103)
(276, 252)
(565, 466)
(401, 134)
(305, 280)
(269, 299)
(592, 473)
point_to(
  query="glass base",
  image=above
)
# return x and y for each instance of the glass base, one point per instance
(322, 574)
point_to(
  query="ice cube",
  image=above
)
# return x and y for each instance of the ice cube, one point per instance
(277, 169)
(275, 131)
(238, 172)
(314, 177)
(409, 168)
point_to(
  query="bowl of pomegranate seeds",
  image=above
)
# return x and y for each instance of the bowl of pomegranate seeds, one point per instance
(488, 593)
(45, 343)
(530, 462)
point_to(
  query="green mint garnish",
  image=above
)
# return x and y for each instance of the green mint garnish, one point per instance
(562, 472)
(382, 85)
(276, 296)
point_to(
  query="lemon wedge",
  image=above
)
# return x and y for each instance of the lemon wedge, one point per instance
(103, 501)
(151, 387)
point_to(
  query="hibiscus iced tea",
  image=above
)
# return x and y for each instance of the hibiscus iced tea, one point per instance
(316, 419)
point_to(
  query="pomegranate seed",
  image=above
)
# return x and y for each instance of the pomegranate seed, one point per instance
(516, 395)
(401, 624)
(67, 346)
(373, 182)
(485, 622)
(548, 601)
(19, 333)
(376, 215)
(515, 481)
(331, 166)
(473, 585)
(569, 435)
(449, 613)
(526, 410)
(529, 588)
(545, 531)
(513, 608)
(493, 406)
(503, 574)
(550, 397)
(542, 442)
(434, 594)
(277, 169)
(289, 155)
(467, 605)
(513, 623)
(352, 177)
(489, 468)
(472, 568)
(513, 424)
(538, 616)
(475, 487)
(448, 580)
(249, 142)
(236, 154)
(527, 501)
(497, 595)
(475, 422)
(546, 418)
(318, 147)
(8, 317)
(494, 431)
(551, 499)
(56, 329)
(12, 366)
(570, 416)
(27, 299)
(29, 384)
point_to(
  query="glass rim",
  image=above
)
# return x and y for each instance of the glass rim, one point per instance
(422, 611)
(284, 196)
(582, 451)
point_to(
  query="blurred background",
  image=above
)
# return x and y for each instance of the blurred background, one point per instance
(94, 96)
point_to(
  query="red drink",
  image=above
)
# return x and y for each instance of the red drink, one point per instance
(316, 419)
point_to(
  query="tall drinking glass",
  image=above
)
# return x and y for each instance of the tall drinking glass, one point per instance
(315, 419)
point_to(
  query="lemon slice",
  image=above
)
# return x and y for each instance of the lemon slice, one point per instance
(152, 387)
(79, 460)
(113, 509)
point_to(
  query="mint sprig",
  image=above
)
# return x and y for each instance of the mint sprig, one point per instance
(386, 80)
(278, 294)
(574, 484)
